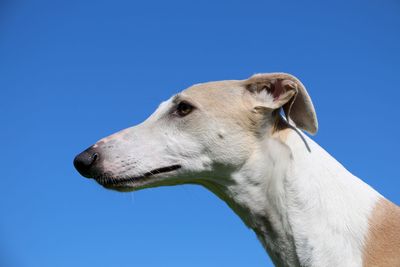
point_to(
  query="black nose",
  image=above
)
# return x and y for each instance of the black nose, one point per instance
(86, 161)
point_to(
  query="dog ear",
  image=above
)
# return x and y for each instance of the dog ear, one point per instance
(276, 90)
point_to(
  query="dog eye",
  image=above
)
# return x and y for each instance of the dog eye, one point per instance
(183, 109)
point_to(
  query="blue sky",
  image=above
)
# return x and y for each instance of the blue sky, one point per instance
(73, 71)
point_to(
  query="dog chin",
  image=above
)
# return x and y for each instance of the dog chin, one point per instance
(124, 186)
(134, 184)
(120, 188)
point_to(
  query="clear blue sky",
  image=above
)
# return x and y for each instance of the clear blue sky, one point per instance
(73, 71)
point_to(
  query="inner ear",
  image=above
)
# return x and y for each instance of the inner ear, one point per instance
(282, 93)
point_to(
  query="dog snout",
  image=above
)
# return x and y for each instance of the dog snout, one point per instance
(87, 162)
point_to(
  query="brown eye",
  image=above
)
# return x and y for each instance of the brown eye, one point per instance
(184, 109)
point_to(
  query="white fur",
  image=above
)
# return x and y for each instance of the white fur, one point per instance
(318, 211)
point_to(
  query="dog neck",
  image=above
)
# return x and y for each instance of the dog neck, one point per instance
(304, 206)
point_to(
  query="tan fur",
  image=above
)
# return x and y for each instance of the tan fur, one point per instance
(282, 129)
(382, 247)
(283, 134)
(227, 99)
(223, 99)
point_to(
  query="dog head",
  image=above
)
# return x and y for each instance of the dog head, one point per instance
(201, 134)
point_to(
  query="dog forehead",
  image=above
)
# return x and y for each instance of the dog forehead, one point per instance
(214, 91)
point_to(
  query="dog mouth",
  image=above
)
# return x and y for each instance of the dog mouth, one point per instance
(112, 182)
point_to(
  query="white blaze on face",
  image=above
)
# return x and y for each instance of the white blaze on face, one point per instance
(158, 142)
(137, 150)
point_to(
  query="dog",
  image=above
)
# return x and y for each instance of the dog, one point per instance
(243, 140)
